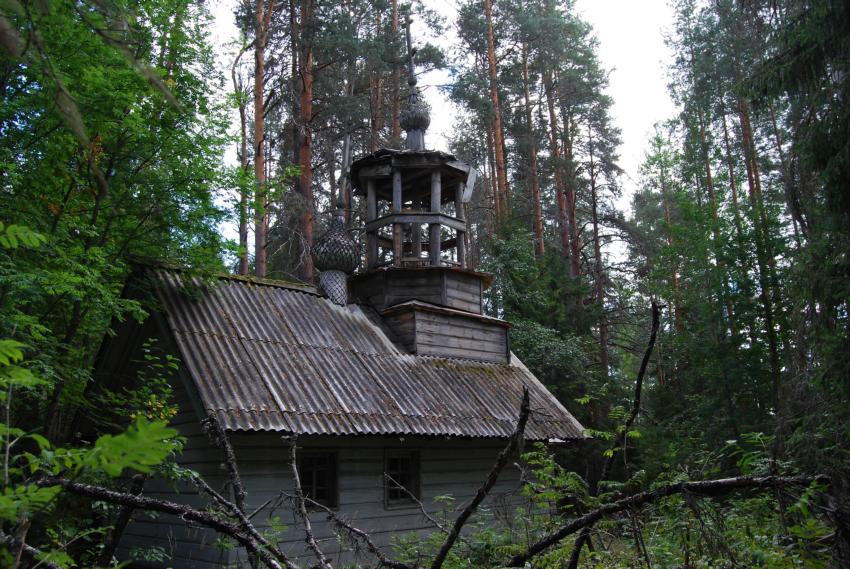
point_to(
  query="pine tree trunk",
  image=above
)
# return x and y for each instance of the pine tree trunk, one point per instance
(668, 220)
(536, 207)
(491, 184)
(498, 133)
(599, 272)
(395, 129)
(715, 222)
(733, 184)
(305, 146)
(555, 152)
(244, 196)
(570, 186)
(261, 218)
(376, 98)
(763, 258)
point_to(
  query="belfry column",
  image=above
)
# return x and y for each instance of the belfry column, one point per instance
(434, 228)
(398, 228)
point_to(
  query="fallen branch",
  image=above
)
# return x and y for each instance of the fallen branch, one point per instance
(184, 512)
(514, 444)
(27, 551)
(702, 488)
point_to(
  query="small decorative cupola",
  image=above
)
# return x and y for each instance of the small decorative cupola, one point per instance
(336, 255)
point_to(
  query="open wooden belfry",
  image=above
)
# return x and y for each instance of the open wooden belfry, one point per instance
(417, 276)
(414, 197)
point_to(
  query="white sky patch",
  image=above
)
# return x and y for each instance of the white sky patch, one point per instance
(631, 45)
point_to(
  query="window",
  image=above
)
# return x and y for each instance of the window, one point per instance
(402, 477)
(317, 472)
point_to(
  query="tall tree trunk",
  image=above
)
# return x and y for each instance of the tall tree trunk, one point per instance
(376, 98)
(715, 222)
(498, 133)
(570, 186)
(668, 236)
(244, 193)
(395, 119)
(536, 207)
(305, 146)
(762, 246)
(491, 184)
(792, 198)
(733, 183)
(599, 272)
(557, 167)
(261, 217)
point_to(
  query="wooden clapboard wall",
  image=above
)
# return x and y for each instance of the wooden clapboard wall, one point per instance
(443, 286)
(452, 469)
(427, 330)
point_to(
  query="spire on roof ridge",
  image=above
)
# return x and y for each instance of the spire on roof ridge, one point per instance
(417, 116)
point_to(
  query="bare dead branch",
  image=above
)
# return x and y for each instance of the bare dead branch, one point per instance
(121, 521)
(419, 503)
(220, 439)
(701, 488)
(514, 444)
(27, 551)
(301, 506)
(359, 534)
(245, 521)
(621, 437)
(239, 514)
(184, 512)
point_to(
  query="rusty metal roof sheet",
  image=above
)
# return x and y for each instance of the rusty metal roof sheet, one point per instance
(277, 358)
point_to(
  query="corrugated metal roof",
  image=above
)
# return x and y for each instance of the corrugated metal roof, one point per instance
(271, 357)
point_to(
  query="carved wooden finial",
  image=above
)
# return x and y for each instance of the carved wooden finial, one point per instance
(417, 116)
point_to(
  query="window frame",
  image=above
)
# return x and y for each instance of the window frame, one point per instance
(333, 482)
(416, 474)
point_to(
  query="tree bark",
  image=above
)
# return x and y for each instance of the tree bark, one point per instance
(498, 132)
(763, 257)
(244, 196)
(557, 169)
(536, 207)
(376, 99)
(261, 216)
(395, 119)
(599, 272)
(715, 222)
(305, 146)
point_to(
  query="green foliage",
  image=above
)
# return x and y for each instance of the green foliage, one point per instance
(679, 531)
(14, 235)
(144, 445)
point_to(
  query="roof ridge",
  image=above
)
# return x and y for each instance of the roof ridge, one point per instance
(247, 279)
(276, 283)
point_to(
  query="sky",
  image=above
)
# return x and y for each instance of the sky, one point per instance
(631, 46)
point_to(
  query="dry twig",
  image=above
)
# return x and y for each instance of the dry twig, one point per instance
(514, 444)
(301, 507)
(702, 487)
